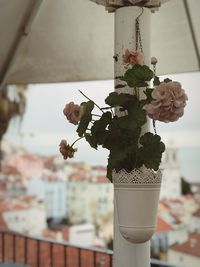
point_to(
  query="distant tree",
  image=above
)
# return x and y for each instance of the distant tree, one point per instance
(185, 187)
(49, 222)
(65, 221)
(110, 244)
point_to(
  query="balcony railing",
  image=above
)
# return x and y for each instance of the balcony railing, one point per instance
(41, 252)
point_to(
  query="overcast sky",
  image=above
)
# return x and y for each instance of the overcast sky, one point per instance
(44, 124)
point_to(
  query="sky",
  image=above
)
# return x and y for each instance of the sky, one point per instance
(44, 124)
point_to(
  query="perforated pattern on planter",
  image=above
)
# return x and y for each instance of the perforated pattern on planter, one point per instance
(137, 176)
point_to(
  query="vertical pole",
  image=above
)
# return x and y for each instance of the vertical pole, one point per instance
(125, 253)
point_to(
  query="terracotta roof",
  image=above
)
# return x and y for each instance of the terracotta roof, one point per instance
(3, 186)
(163, 226)
(191, 247)
(30, 157)
(164, 204)
(49, 234)
(50, 178)
(9, 170)
(28, 198)
(77, 177)
(188, 197)
(176, 201)
(4, 207)
(196, 213)
(102, 179)
(176, 218)
(99, 168)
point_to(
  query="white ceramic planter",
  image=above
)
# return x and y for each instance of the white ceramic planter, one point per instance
(137, 196)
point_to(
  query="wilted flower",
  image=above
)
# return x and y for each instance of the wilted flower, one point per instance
(66, 150)
(73, 112)
(169, 100)
(133, 57)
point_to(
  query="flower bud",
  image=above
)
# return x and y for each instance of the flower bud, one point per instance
(154, 61)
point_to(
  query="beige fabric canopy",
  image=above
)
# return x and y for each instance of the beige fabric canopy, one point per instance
(73, 40)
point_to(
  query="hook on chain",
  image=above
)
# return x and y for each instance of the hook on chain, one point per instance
(137, 32)
(140, 14)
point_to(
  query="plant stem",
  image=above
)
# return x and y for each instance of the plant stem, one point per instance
(96, 115)
(106, 108)
(135, 91)
(109, 108)
(91, 100)
(77, 140)
(138, 91)
(154, 126)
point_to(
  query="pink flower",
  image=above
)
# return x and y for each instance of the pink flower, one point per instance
(133, 57)
(66, 150)
(169, 100)
(73, 112)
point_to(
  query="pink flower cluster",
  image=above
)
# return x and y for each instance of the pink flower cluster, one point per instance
(66, 150)
(133, 57)
(73, 112)
(169, 100)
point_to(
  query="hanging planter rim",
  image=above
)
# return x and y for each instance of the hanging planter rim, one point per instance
(137, 177)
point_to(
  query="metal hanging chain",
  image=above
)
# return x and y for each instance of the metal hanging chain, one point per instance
(138, 46)
(154, 126)
(154, 62)
(154, 70)
(138, 39)
(153, 121)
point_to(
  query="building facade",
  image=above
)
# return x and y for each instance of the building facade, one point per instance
(171, 180)
(53, 191)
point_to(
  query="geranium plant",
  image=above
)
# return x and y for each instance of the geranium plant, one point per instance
(120, 132)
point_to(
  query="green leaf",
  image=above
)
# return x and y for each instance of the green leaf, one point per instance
(99, 127)
(114, 99)
(167, 80)
(118, 86)
(136, 113)
(86, 118)
(113, 136)
(120, 142)
(91, 140)
(125, 122)
(109, 172)
(148, 93)
(150, 153)
(138, 75)
(156, 80)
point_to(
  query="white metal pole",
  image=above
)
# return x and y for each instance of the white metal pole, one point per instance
(127, 254)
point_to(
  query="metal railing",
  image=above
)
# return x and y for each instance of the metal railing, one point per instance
(42, 252)
(158, 263)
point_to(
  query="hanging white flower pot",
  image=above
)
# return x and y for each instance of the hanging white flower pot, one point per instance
(137, 196)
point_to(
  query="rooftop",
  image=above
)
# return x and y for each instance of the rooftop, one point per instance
(191, 247)
(163, 226)
(196, 213)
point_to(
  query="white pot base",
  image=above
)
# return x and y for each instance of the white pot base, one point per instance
(137, 235)
(137, 203)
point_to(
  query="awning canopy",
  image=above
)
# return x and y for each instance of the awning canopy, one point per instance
(73, 40)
